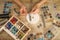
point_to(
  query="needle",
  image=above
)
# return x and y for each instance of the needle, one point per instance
(30, 17)
(43, 20)
(30, 10)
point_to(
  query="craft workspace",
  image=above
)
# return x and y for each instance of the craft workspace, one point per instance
(29, 19)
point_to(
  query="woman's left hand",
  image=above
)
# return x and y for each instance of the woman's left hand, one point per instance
(35, 9)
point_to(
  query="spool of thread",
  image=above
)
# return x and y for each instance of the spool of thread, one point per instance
(7, 10)
(7, 7)
(3, 22)
(8, 4)
(4, 16)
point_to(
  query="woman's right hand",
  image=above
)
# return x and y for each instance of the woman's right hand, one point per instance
(23, 10)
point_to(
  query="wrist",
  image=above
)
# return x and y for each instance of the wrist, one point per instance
(22, 6)
(37, 6)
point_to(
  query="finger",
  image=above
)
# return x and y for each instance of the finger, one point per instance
(33, 9)
(36, 11)
(21, 10)
(25, 10)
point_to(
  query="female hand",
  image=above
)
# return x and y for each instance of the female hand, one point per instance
(35, 9)
(23, 10)
(37, 6)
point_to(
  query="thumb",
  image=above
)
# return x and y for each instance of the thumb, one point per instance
(21, 10)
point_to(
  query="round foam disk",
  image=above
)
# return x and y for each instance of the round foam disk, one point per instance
(32, 18)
